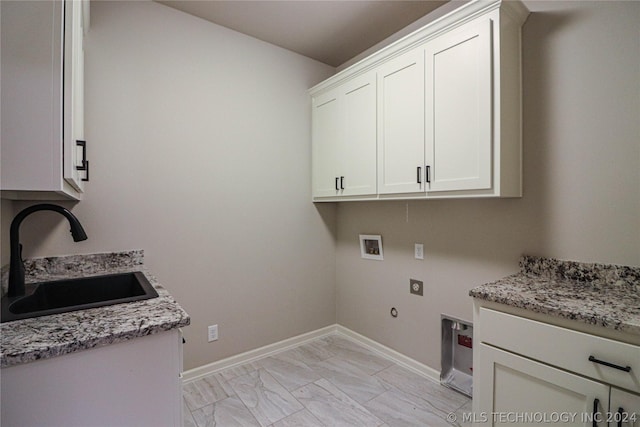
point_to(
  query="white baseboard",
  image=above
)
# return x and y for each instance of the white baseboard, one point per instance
(389, 353)
(278, 347)
(253, 355)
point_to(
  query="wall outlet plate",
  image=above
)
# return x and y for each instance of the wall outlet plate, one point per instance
(212, 333)
(416, 287)
(418, 251)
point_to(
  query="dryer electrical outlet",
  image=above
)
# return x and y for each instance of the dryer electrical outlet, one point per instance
(416, 287)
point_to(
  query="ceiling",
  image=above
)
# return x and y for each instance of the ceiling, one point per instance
(331, 32)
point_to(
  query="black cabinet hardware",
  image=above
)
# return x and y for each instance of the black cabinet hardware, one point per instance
(611, 365)
(82, 144)
(419, 175)
(85, 162)
(596, 402)
(337, 188)
(342, 182)
(428, 170)
(86, 175)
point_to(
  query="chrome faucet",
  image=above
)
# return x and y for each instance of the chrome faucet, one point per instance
(16, 266)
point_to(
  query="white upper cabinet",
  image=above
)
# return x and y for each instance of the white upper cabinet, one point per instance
(401, 124)
(344, 139)
(448, 108)
(75, 169)
(459, 109)
(43, 148)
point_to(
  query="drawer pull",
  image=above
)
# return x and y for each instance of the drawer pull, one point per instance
(596, 402)
(611, 365)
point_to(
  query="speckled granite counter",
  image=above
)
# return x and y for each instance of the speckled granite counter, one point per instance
(596, 294)
(37, 338)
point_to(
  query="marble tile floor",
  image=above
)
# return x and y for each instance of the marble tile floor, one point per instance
(331, 381)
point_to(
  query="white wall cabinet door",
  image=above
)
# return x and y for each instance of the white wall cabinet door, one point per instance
(625, 408)
(458, 75)
(357, 174)
(325, 144)
(401, 152)
(75, 168)
(344, 139)
(510, 385)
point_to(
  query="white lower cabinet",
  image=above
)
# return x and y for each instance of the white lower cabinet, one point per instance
(517, 388)
(625, 408)
(530, 373)
(132, 383)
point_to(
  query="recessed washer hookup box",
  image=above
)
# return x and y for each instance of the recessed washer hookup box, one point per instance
(457, 355)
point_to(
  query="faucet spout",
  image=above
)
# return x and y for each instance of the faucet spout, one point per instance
(16, 266)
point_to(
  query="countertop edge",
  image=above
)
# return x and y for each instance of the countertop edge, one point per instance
(9, 360)
(612, 305)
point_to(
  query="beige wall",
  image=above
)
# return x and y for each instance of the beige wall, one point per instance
(199, 142)
(581, 187)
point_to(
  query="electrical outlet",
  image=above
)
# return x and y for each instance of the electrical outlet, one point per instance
(418, 250)
(415, 287)
(213, 332)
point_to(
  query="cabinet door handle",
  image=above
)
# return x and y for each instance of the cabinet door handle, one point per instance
(337, 188)
(419, 175)
(428, 172)
(86, 175)
(342, 182)
(611, 365)
(84, 165)
(596, 402)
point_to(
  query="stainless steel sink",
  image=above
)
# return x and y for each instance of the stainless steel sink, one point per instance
(43, 299)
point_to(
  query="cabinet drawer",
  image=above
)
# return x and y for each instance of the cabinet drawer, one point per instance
(561, 347)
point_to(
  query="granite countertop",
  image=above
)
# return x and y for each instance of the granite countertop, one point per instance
(597, 294)
(27, 340)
